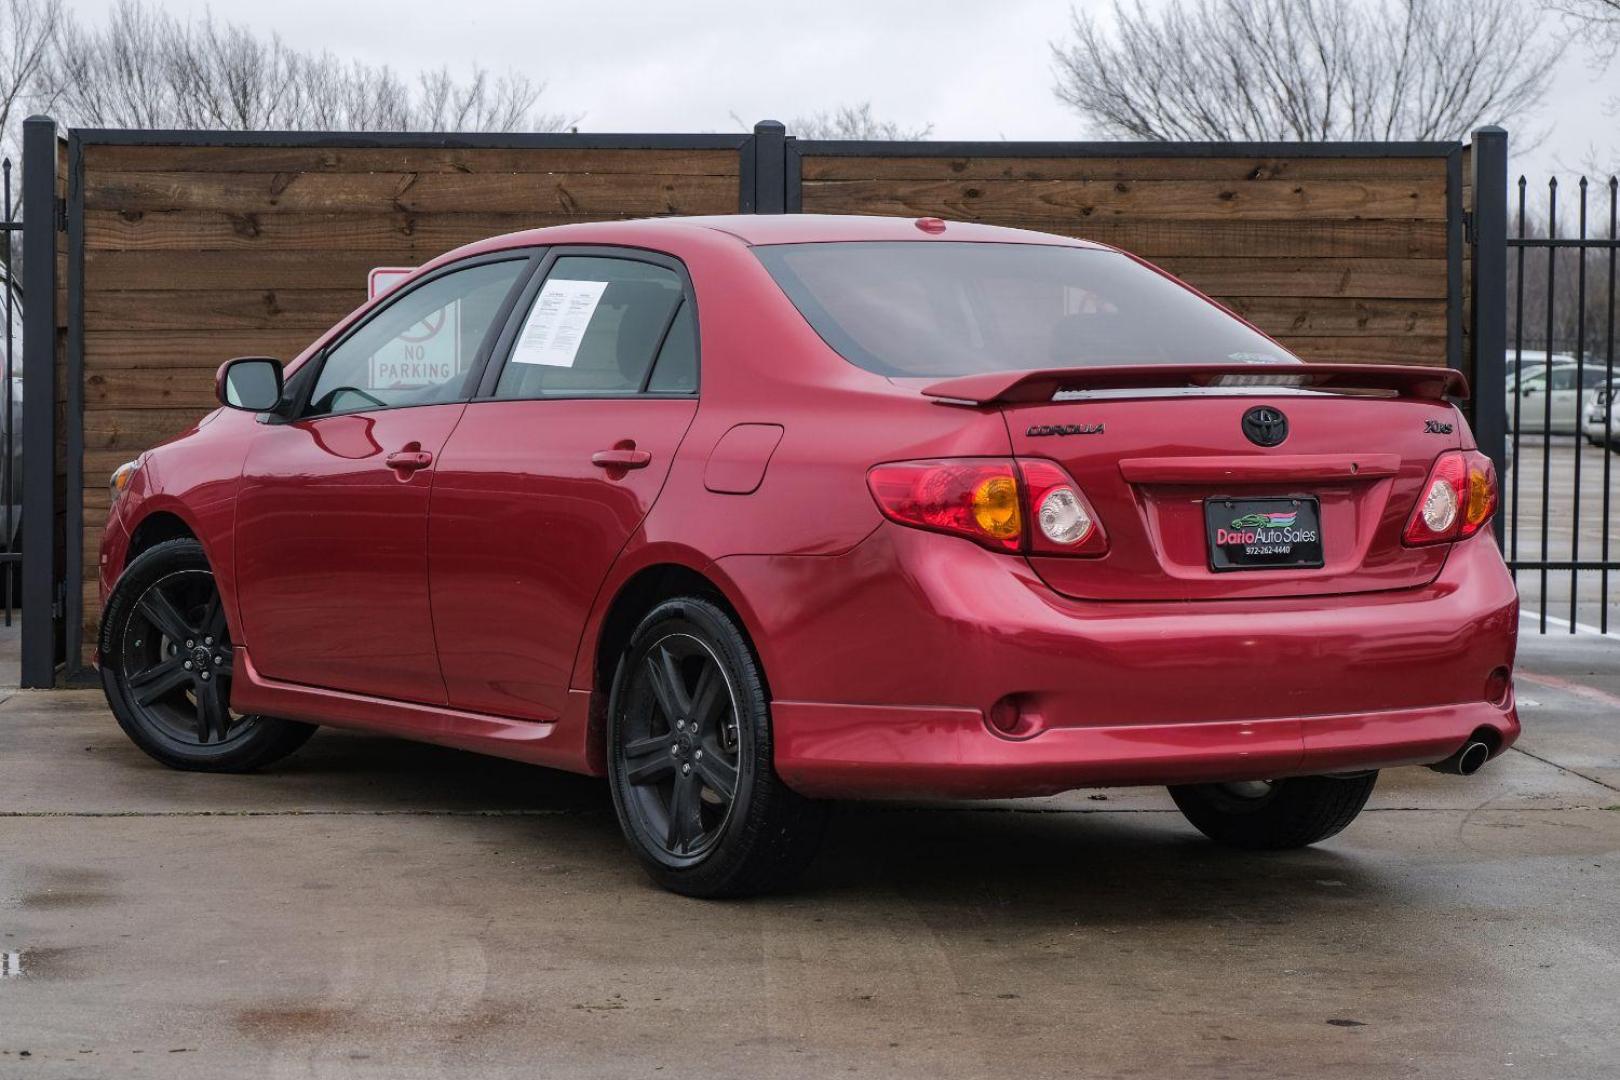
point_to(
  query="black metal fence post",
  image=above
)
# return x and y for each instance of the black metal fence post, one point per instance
(1489, 315)
(770, 167)
(39, 637)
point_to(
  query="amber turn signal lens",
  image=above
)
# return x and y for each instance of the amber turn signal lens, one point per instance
(995, 507)
(120, 478)
(1481, 495)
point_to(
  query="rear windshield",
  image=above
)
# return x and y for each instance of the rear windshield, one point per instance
(940, 309)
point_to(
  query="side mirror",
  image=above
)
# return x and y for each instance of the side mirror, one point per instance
(251, 383)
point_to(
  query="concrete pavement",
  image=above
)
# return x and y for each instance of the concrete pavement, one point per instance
(374, 908)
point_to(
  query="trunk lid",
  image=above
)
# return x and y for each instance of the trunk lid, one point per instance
(1150, 446)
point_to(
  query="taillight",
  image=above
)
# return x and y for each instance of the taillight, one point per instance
(1065, 523)
(987, 501)
(972, 497)
(1458, 499)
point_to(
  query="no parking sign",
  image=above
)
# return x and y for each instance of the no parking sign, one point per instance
(427, 354)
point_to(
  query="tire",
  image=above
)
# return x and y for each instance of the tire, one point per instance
(1275, 815)
(688, 717)
(172, 699)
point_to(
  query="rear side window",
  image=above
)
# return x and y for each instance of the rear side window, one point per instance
(676, 371)
(594, 328)
(943, 309)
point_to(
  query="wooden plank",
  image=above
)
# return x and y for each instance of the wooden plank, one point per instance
(337, 268)
(1401, 349)
(1409, 278)
(995, 167)
(424, 236)
(99, 463)
(1338, 317)
(416, 237)
(1257, 239)
(150, 388)
(460, 160)
(583, 194)
(129, 431)
(313, 310)
(109, 350)
(995, 201)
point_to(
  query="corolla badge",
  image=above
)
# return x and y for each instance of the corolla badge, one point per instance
(1037, 430)
(1265, 426)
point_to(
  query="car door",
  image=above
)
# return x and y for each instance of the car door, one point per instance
(552, 470)
(1531, 408)
(331, 526)
(1566, 398)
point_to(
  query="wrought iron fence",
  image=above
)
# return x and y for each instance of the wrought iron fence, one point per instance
(10, 409)
(1561, 388)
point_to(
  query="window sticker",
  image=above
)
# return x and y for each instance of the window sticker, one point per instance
(557, 323)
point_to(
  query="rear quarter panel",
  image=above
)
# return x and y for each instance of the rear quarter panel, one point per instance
(761, 363)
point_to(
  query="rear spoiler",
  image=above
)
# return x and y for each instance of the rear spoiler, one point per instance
(1008, 387)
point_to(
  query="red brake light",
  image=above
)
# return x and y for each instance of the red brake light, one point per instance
(987, 500)
(972, 497)
(1458, 499)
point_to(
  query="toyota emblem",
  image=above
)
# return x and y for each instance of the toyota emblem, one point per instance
(1265, 426)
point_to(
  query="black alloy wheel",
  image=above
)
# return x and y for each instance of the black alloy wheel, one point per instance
(690, 760)
(681, 755)
(167, 663)
(176, 658)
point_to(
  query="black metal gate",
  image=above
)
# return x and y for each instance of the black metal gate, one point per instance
(10, 408)
(1560, 388)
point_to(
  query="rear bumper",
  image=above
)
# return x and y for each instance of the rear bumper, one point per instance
(865, 751)
(884, 667)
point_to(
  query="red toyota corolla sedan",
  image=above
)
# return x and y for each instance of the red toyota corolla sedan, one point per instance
(747, 513)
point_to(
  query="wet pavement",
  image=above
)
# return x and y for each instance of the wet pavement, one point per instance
(374, 908)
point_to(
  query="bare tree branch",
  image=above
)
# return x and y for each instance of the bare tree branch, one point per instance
(854, 122)
(1597, 22)
(146, 68)
(1305, 69)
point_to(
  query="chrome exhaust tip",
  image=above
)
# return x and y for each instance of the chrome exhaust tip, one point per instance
(1467, 761)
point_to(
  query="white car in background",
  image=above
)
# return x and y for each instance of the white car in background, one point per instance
(1601, 424)
(1569, 387)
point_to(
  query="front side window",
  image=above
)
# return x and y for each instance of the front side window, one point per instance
(948, 308)
(419, 349)
(595, 328)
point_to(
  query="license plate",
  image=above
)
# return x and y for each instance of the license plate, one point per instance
(1263, 534)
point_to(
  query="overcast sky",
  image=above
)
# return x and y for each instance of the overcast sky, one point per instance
(975, 69)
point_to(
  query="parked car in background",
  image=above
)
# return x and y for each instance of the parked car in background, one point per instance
(749, 513)
(1552, 398)
(1529, 360)
(1601, 425)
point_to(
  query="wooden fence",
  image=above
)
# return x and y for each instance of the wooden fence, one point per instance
(185, 248)
(1341, 256)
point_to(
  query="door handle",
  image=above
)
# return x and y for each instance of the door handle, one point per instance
(408, 461)
(621, 459)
